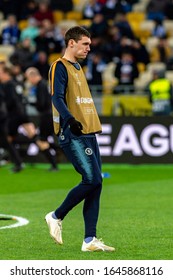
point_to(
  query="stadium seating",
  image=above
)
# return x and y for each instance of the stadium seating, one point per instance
(151, 43)
(79, 4)
(67, 23)
(170, 41)
(85, 22)
(22, 24)
(6, 50)
(169, 75)
(58, 16)
(141, 26)
(142, 81)
(140, 6)
(141, 66)
(135, 16)
(147, 25)
(168, 24)
(155, 66)
(74, 15)
(53, 56)
(109, 80)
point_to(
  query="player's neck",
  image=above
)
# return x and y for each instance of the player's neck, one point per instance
(70, 57)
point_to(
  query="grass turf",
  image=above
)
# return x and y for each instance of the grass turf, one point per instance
(135, 215)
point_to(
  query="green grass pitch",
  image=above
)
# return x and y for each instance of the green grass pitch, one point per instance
(136, 214)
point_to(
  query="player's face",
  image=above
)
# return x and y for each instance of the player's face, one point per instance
(81, 48)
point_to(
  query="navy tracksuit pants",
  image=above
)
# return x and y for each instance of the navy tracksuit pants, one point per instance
(83, 153)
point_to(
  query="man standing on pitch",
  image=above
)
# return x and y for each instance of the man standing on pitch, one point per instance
(76, 122)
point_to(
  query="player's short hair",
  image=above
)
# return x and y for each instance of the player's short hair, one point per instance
(76, 34)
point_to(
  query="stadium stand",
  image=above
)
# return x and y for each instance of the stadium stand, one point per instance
(137, 17)
(58, 16)
(6, 51)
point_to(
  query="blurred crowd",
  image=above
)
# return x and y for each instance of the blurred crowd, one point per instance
(32, 29)
(36, 34)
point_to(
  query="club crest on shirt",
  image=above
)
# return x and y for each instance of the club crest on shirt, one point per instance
(88, 151)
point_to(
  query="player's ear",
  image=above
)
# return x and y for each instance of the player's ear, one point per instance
(71, 43)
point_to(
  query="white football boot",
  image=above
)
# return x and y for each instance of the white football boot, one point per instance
(96, 245)
(55, 228)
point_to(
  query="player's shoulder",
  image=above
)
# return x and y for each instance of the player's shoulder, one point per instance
(57, 65)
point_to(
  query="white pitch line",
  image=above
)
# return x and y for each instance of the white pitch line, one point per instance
(20, 221)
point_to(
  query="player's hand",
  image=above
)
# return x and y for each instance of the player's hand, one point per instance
(75, 127)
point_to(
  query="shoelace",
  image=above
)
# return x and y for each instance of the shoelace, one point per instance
(59, 224)
(99, 241)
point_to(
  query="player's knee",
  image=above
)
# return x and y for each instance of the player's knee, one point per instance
(98, 182)
(95, 181)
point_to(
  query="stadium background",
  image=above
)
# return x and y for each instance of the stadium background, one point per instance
(140, 15)
(136, 212)
(134, 109)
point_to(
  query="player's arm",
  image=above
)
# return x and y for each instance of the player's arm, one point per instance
(60, 79)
